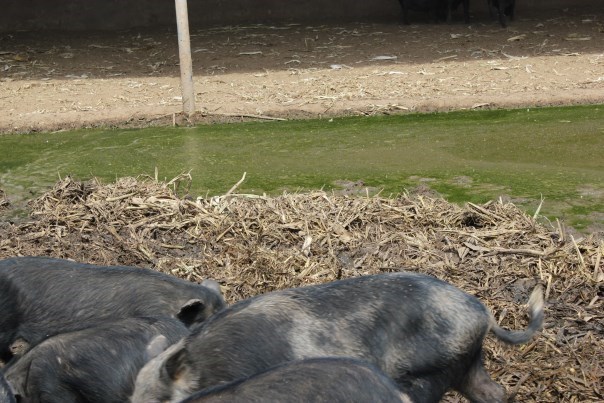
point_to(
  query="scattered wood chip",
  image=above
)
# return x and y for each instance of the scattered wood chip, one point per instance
(445, 58)
(577, 37)
(378, 58)
(517, 38)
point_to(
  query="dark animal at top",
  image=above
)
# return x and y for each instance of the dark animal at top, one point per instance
(505, 8)
(98, 364)
(41, 297)
(6, 392)
(439, 10)
(318, 380)
(422, 332)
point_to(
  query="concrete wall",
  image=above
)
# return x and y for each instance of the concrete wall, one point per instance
(120, 14)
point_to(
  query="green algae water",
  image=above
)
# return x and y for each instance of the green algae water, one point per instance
(525, 155)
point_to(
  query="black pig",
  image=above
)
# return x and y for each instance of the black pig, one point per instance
(505, 8)
(98, 364)
(328, 380)
(424, 333)
(439, 10)
(41, 297)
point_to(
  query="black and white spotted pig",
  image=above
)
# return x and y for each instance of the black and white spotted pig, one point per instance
(422, 332)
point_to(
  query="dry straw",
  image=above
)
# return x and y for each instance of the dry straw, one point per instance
(254, 244)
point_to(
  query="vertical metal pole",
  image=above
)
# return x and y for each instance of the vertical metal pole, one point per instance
(184, 51)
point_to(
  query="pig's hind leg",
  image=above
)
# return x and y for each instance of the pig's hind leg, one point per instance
(478, 386)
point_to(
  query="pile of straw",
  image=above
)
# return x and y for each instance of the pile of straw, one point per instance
(255, 244)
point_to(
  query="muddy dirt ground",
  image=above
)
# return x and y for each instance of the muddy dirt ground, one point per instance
(54, 80)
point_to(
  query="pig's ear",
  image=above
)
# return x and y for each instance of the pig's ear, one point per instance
(178, 370)
(212, 285)
(17, 381)
(191, 312)
(157, 346)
